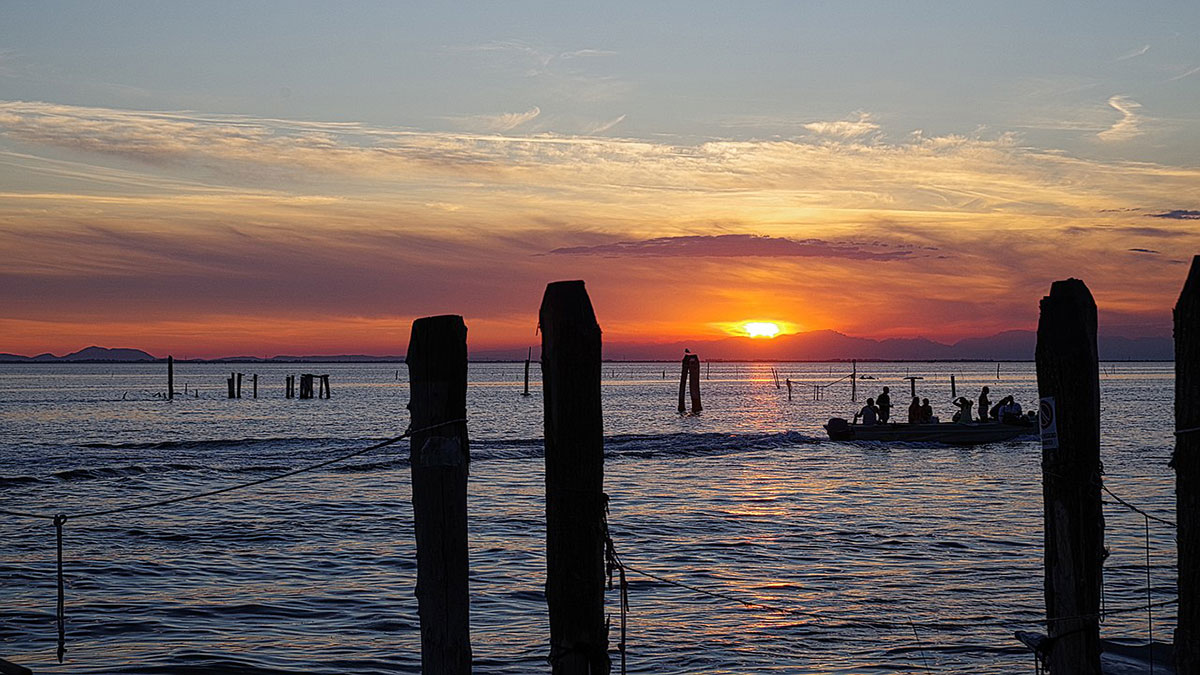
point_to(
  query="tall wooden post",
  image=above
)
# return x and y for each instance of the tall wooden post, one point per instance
(683, 377)
(437, 375)
(575, 500)
(528, 358)
(170, 378)
(239, 385)
(230, 382)
(1068, 378)
(254, 384)
(1186, 462)
(694, 384)
(953, 388)
(853, 380)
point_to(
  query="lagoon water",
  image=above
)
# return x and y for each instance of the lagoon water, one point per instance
(897, 557)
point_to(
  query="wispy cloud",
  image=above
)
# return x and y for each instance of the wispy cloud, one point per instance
(501, 122)
(739, 246)
(1188, 73)
(1134, 54)
(845, 129)
(1177, 214)
(605, 126)
(1129, 126)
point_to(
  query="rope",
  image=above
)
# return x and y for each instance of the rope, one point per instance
(231, 488)
(1131, 507)
(1149, 609)
(612, 563)
(1183, 432)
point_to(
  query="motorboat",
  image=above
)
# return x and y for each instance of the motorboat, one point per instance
(949, 433)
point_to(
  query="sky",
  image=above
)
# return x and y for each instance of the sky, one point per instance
(211, 179)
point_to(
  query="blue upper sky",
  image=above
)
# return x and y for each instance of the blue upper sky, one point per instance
(1058, 73)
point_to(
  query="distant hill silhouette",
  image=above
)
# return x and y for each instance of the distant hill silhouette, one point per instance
(820, 345)
(87, 354)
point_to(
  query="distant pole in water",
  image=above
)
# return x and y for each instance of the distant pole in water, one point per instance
(239, 385)
(853, 380)
(1068, 378)
(528, 358)
(689, 379)
(1186, 462)
(789, 386)
(575, 500)
(171, 378)
(997, 370)
(230, 382)
(953, 388)
(437, 375)
(254, 384)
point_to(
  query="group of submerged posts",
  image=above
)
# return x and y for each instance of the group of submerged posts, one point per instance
(311, 386)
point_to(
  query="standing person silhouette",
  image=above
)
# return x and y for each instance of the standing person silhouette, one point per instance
(884, 403)
(984, 405)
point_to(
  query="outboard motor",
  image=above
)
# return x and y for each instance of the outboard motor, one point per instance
(839, 429)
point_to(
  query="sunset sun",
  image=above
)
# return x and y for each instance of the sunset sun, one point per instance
(761, 329)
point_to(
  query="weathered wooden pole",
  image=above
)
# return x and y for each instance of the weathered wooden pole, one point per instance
(1186, 462)
(575, 500)
(694, 383)
(528, 358)
(953, 388)
(1068, 378)
(853, 380)
(254, 384)
(328, 391)
(232, 392)
(239, 385)
(440, 458)
(683, 377)
(789, 386)
(170, 378)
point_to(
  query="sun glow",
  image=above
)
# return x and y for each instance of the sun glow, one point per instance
(761, 329)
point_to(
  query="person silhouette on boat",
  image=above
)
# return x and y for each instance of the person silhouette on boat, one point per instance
(914, 411)
(884, 404)
(926, 411)
(984, 405)
(963, 416)
(869, 414)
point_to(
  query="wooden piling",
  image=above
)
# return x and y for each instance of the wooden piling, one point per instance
(789, 386)
(254, 384)
(528, 358)
(1069, 386)
(1186, 462)
(232, 390)
(853, 380)
(440, 458)
(694, 383)
(325, 384)
(170, 378)
(239, 385)
(575, 500)
(953, 388)
(683, 377)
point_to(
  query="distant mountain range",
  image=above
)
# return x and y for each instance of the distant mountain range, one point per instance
(821, 345)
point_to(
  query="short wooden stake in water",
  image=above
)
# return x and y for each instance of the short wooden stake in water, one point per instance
(1068, 378)
(789, 386)
(853, 380)
(440, 457)
(239, 385)
(170, 378)
(254, 384)
(575, 500)
(232, 386)
(953, 388)
(528, 358)
(1186, 462)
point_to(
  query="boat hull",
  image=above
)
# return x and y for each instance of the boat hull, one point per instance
(949, 433)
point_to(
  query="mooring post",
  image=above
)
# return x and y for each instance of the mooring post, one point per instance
(232, 392)
(170, 378)
(288, 383)
(528, 358)
(328, 391)
(853, 380)
(1186, 462)
(694, 384)
(575, 500)
(239, 385)
(789, 386)
(1068, 376)
(254, 384)
(440, 458)
(683, 377)
(953, 388)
